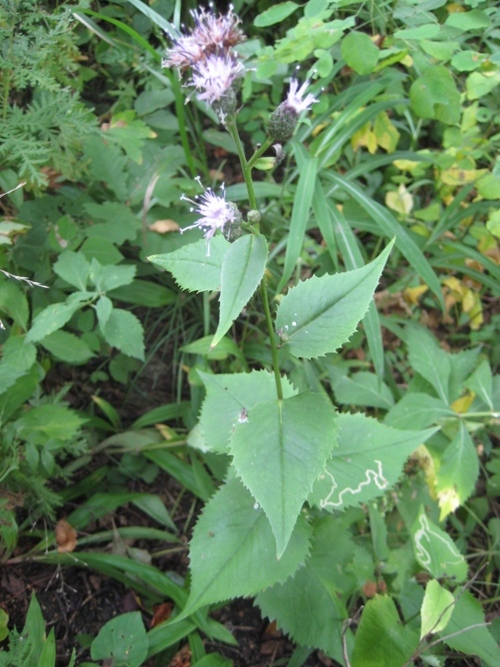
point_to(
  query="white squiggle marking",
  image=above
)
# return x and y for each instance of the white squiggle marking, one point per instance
(376, 476)
(423, 555)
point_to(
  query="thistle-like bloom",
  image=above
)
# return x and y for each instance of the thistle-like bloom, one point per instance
(211, 35)
(213, 78)
(284, 119)
(216, 213)
(295, 98)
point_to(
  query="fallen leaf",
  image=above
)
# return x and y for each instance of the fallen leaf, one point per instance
(161, 613)
(182, 658)
(66, 537)
(164, 226)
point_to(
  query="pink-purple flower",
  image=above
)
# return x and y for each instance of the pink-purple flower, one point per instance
(216, 214)
(297, 99)
(213, 77)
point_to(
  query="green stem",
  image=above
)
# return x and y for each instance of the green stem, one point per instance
(179, 109)
(246, 169)
(247, 175)
(272, 338)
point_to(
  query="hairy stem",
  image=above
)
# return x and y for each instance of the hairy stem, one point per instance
(247, 175)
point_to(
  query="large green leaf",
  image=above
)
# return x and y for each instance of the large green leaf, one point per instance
(122, 640)
(437, 608)
(124, 331)
(319, 315)
(416, 410)
(228, 399)
(242, 270)
(192, 268)
(436, 551)
(55, 316)
(353, 259)
(310, 605)
(233, 551)
(73, 268)
(467, 631)
(458, 472)
(17, 358)
(67, 347)
(430, 360)
(382, 640)
(49, 422)
(300, 215)
(367, 462)
(279, 449)
(390, 227)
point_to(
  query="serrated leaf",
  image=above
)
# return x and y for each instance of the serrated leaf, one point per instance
(112, 277)
(382, 640)
(367, 462)
(437, 608)
(242, 270)
(192, 268)
(228, 399)
(103, 309)
(18, 357)
(233, 551)
(107, 164)
(430, 360)
(310, 605)
(416, 410)
(365, 389)
(73, 268)
(290, 441)
(67, 347)
(436, 551)
(481, 383)
(458, 472)
(14, 302)
(46, 422)
(389, 226)
(319, 315)
(464, 632)
(124, 331)
(54, 317)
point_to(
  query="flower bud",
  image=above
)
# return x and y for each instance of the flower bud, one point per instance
(282, 122)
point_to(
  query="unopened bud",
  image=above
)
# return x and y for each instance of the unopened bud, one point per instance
(282, 122)
(253, 217)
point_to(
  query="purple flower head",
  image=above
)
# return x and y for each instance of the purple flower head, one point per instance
(295, 98)
(216, 213)
(213, 78)
(212, 35)
(284, 119)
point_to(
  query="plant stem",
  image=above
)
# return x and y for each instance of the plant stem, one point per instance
(245, 167)
(252, 200)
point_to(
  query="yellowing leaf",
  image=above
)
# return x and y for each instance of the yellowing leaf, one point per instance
(423, 458)
(386, 134)
(400, 201)
(364, 137)
(406, 165)
(413, 294)
(462, 404)
(458, 176)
